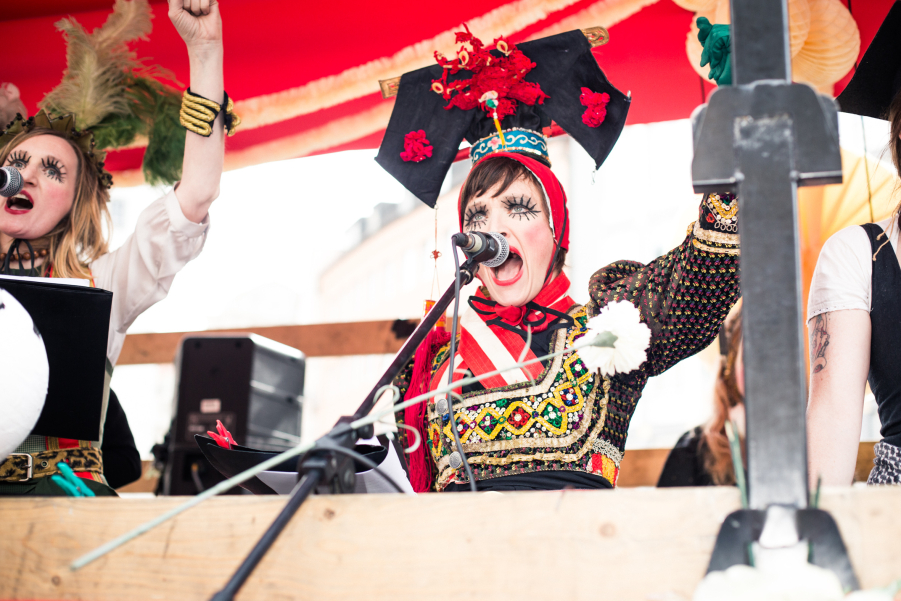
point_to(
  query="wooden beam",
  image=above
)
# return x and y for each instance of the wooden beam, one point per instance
(317, 340)
(631, 544)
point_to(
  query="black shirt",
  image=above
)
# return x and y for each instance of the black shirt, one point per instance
(685, 464)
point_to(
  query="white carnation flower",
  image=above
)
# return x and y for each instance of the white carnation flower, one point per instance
(804, 582)
(616, 342)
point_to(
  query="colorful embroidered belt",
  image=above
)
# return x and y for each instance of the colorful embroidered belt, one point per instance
(22, 467)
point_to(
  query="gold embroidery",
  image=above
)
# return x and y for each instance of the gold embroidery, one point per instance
(479, 452)
(716, 249)
(717, 237)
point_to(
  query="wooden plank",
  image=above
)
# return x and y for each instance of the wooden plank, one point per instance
(316, 340)
(629, 544)
(641, 467)
(865, 456)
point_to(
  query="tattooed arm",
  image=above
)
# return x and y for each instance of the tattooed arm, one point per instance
(839, 363)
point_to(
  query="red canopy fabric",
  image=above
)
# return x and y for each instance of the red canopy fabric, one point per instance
(305, 74)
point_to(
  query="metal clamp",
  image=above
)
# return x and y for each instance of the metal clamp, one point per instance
(30, 465)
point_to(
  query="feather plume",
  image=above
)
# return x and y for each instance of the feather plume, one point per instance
(93, 85)
(117, 96)
(129, 22)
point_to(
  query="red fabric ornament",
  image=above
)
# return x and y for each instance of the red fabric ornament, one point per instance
(224, 439)
(416, 147)
(418, 461)
(503, 75)
(596, 104)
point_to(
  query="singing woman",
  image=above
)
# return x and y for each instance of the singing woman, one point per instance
(53, 227)
(558, 424)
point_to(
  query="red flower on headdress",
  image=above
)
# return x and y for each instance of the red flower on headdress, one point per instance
(596, 104)
(416, 147)
(504, 75)
(224, 439)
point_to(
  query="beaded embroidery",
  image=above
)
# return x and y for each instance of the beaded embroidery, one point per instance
(724, 212)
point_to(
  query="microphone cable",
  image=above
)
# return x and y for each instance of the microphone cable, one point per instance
(450, 370)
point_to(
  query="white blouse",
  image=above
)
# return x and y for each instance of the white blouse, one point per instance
(140, 272)
(843, 275)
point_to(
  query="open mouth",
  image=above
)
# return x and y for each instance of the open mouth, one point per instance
(18, 204)
(508, 272)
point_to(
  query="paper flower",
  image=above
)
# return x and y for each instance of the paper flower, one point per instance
(498, 78)
(616, 341)
(596, 107)
(224, 439)
(416, 147)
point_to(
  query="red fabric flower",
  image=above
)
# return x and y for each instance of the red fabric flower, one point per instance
(416, 147)
(224, 439)
(596, 104)
(503, 75)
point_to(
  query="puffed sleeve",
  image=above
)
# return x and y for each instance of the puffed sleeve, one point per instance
(843, 275)
(140, 272)
(684, 295)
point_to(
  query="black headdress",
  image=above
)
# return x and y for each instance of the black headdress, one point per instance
(499, 100)
(877, 79)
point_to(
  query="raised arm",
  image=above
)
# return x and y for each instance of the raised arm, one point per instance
(839, 363)
(199, 25)
(684, 295)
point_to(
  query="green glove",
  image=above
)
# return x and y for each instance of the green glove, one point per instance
(717, 46)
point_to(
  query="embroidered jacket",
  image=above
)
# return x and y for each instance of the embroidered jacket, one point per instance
(573, 419)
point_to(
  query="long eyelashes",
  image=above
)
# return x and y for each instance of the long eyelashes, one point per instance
(475, 216)
(18, 157)
(522, 207)
(53, 169)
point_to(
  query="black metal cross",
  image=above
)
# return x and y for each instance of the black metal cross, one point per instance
(762, 138)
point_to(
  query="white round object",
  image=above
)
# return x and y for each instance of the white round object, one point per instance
(24, 373)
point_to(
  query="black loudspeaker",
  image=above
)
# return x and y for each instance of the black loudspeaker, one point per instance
(253, 385)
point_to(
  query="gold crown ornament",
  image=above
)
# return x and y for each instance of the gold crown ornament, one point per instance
(65, 125)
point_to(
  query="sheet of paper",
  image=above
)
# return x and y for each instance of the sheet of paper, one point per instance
(66, 281)
(281, 482)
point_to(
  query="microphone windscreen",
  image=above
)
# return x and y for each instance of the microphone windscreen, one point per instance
(12, 183)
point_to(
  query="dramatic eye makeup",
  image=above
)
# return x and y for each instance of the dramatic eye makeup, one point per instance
(53, 168)
(521, 208)
(18, 159)
(475, 216)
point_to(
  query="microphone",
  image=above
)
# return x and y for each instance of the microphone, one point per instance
(490, 249)
(10, 181)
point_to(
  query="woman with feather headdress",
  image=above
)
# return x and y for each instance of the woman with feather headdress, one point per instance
(53, 226)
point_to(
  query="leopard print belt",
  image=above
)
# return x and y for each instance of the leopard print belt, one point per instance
(22, 467)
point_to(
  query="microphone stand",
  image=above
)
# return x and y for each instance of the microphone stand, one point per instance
(331, 472)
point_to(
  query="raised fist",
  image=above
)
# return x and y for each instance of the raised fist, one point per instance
(197, 21)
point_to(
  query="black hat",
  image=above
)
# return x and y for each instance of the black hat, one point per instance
(877, 79)
(555, 79)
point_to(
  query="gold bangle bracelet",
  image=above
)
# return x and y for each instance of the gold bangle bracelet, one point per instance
(198, 114)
